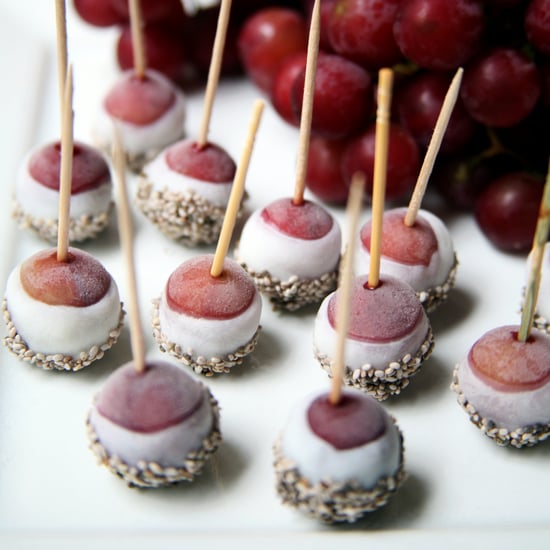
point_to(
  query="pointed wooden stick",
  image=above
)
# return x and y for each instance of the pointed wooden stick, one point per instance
(237, 191)
(385, 83)
(61, 49)
(537, 254)
(307, 104)
(126, 232)
(66, 170)
(353, 210)
(433, 148)
(214, 71)
(138, 41)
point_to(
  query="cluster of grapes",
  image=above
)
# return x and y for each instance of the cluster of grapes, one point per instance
(177, 44)
(493, 156)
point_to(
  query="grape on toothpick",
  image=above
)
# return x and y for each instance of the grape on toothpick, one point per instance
(503, 383)
(61, 306)
(416, 246)
(307, 235)
(147, 107)
(151, 423)
(184, 191)
(36, 197)
(340, 454)
(209, 311)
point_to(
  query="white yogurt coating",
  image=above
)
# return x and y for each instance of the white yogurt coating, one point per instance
(318, 460)
(360, 353)
(69, 330)
(508, 409)
(167, 447)
(139, 139)
(262, 247)
(209, 337)
(420, 277)
(41, 202)
(162, 177)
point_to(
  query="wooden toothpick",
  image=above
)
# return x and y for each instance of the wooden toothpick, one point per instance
(307, 104)
(66, 170)
(138, 41)
(433, 148)
(61, 50)
(385, 83)
(126, 232)
(214, 71)
(537, 254)
(353, 210)
(237, 191)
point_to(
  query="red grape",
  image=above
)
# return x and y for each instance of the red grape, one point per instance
(341, 98)
(324, 176)
(99, 13)
(200, 33)
(283, 83)
(308, 220)
(362, 30)
(80, 281)
(164, 49)
(462, 178)
(266, 39)
(356, 420)
(501, 87)
(507, 211)
(403, 161)
(325, 14)
(151, 10)
(418, 103)
(438, 34)
(537, 25)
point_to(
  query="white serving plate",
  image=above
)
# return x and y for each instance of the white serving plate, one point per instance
(462, 488)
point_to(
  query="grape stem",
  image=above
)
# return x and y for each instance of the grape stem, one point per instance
(537, 253)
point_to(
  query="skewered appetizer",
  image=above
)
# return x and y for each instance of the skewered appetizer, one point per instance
(37, 192)
(292, 251)
(61, 315)
(421, 254)
(184, 191)
(153, 428)
(389, 336)
(503, 384)
(149, 112)
(209, 323)
(337, 462)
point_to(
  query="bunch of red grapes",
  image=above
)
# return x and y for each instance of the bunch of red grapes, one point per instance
(176, 43)
(494, 156)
